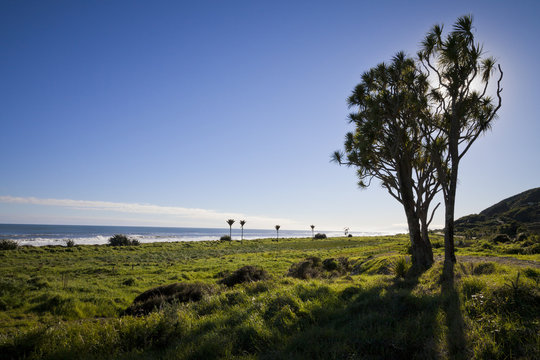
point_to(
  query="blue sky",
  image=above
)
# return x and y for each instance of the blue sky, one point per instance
(187, 113)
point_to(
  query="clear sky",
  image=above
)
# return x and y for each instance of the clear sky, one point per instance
(187, 113)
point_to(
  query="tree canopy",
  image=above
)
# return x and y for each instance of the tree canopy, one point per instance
(390, 104)
(414, 121)
(461, 108)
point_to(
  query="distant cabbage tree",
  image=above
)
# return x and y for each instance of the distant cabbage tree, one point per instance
(312, 230)
(230, 222)
(277, 232)
(242, 223)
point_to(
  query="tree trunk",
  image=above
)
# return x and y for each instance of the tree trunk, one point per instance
(449, 251)
(426, 243)
(422, 255)
(450, 198)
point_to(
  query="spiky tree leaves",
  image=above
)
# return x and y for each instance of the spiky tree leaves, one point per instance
(461, 109)
(391, 104)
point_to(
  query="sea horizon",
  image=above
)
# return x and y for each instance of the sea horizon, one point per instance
(47, 234)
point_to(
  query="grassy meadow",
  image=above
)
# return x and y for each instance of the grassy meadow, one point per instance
(69, 302)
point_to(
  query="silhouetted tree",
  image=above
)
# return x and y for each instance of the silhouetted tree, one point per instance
(388, 144)
(242, 223)
(277, 232)
(461, 109)
(312, 230)
(230, 222)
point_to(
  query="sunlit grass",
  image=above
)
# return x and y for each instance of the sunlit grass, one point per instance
(60, 302)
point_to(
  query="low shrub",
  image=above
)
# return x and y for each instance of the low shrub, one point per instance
(319, 236)
(122, 240)
(225, 238)
(437, 244)
(400, 267)
(158, 297)
(308, 269)
(314, 267)
(533, 274)
(70, 243)
(6, 244)
(245, 274)
(523, 250)
(129, 282)
(472, 286)
(522, 236)
(338, 266)
(500, 238)
(484, 268)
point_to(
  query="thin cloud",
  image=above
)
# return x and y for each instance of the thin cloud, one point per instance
(135, 208)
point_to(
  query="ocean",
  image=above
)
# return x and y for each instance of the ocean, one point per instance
(41, 235)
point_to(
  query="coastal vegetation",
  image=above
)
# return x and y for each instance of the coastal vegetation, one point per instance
(346, 297)
(515, 216)
(117, 240)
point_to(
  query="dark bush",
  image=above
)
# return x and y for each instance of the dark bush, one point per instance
(225, 238)
(437, 244)
(307, 269)
(350, 235)
(510, 229)
(529, 249)
(330, 264)
(6, 244)
(319, 236)
(122, 240)
(522, 236)
(484, 268)
(129, 282)
(245, 274)
(70, 243)
(156, 298)
(500, 238)
(314, 267)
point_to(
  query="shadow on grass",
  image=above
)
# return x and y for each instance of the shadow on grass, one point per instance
(378, 323)
(386, 320)
(451, 307)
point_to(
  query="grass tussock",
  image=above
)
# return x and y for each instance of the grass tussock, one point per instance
(245, 274)
(313, 267)
(158, 297)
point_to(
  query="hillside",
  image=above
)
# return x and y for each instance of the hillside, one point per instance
(510, 216)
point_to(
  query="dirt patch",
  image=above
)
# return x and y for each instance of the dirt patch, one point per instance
(496, 259)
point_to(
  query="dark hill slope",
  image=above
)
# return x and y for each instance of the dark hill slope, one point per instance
(520, 212)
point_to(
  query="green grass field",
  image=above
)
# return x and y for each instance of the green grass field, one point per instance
(68, 302)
